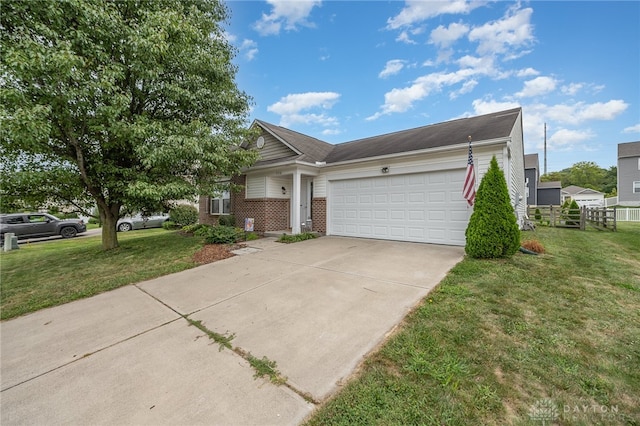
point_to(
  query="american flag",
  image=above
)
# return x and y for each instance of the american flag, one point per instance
(469, 188)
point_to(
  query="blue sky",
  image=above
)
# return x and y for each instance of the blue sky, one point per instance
(341, 71)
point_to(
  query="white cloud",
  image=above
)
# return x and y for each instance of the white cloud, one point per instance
(467, 87)
(249, 49)
(291, 108)
(581, 112)
(505, 35)
(401, 100)
(416, 11)
(392, 67)
(632, 129)
(527, 72)
(538, 86)
(482, 107)
(566, 139)
(285, 14)
(331, 132)
(571, 88)
(405, 38)
(445, 37)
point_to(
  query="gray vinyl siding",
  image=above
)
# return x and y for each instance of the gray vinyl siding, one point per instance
(628, 172)
(273, 148)
(548, 197)
(530, 174)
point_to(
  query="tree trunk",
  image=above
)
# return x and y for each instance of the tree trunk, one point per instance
(109, 217)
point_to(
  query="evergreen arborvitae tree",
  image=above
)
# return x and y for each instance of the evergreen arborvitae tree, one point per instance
(493, 229)
(573, 214)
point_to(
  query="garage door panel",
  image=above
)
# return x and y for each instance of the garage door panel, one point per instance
(396, 197)
(437, 197)
(416, 215)
(416, 197)
(423, 207)
(397, 214)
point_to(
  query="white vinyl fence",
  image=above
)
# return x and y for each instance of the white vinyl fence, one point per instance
(628, 215)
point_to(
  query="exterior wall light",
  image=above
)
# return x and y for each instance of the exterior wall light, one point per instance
(385, 170)
(284, 190)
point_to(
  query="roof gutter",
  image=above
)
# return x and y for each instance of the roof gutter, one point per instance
(284, 163)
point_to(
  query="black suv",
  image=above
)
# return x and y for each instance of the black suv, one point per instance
(33, 225)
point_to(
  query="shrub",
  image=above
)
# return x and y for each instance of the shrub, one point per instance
(224, 235)
(493, 229)
(227, 220)
(284, 238)
(573, 214)
(533, 245)
(183, 215)
(169, 225)
(195, 228)
(202, 230)
(250, 236)
(538, 215)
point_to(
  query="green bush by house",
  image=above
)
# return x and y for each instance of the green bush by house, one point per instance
(493, 229)
(183, 215)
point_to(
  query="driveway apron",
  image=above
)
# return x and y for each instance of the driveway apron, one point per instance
(130, 356)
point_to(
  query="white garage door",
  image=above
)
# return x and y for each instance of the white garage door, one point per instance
(422, 207)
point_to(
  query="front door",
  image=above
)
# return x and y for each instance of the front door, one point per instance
(303, 200)
(306, 193)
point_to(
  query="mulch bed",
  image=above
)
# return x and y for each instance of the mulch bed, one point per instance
(214, 252)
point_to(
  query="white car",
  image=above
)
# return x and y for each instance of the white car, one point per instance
(129, 223)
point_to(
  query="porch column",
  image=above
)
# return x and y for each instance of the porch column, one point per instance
(295, 202)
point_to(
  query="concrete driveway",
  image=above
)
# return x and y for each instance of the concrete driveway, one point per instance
(129, 356)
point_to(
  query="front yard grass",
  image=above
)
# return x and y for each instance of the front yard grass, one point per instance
(498, 341)
(52, 273)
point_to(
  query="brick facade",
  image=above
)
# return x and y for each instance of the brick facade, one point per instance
(319, 219)
(269, 214)
(203, 212)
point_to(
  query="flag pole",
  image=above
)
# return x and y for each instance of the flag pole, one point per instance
(469, 187)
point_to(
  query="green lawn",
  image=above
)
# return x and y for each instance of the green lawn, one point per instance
(497, 338)
(52, 273)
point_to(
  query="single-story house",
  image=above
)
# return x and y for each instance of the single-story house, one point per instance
(404, 186)
(629, 174)
(583, 196)
(539, 193)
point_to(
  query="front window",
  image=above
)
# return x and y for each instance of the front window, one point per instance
(636, 187)
(221, 204)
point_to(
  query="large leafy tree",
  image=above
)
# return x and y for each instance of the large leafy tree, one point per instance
(118, 103)
(586, 174)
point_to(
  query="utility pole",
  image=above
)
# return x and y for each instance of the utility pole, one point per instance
(545, 148)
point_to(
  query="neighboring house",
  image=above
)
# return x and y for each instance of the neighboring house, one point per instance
(532, 177)
(549, 193)
(629, 174)
(583, 196)
(404, 186)
(539, 193)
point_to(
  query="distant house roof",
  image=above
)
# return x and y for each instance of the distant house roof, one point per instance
(575, 190)
(531, 161)
(629, 149)
(484, 127)
(554, 184)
